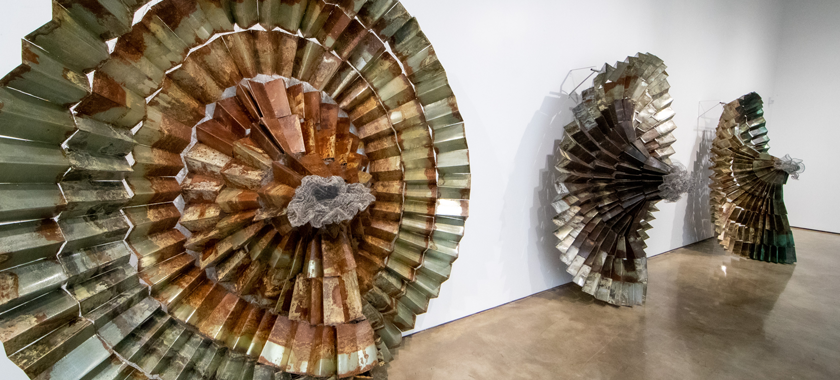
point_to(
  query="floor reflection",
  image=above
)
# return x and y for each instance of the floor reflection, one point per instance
(708, 315)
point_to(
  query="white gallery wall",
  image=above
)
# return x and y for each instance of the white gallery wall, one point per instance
(803, 123)
(507, 61)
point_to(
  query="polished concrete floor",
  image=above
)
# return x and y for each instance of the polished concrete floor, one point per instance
(708, 316)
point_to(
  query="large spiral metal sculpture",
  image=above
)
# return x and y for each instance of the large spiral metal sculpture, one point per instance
(613, 167)
(747, 198)
(147, 165)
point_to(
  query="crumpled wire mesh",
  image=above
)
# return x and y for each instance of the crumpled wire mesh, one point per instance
(321, 201)
(676, 183)
(792, 166)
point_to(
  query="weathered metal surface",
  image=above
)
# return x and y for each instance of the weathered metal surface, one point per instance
(151, 162)
(202, 159)
(23, 283)
(177, 103)
(86, 263)
(91, 230)
(153, 190)
(88, 166)
(105, 18)
(245, 12)
(100, 138)
(151, 219)
(747, 197)
(111, 102)
(86, 197)
(158, 247)
(32, 162)
(285, 14)
(30, 201)
(23, 325)
(45, 77)
(69, 42)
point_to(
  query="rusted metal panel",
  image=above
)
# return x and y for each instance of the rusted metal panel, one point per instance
(307, 58)
(25, 282)
(112, 103)
(30, 201)
(265, 45)
(201, 216)
(96, 291)
(177, 103)
(100, 138)
(368, 49)
(27, 241)
(245, 12)
(186, 19)
(443, 113)
(243, 51)
(232, 113)
(367, 111)
(173, 292)
(193, 79)
(355, 94)
(42, 355)
(271, 98)
(85, 165)
(248, 152)
(287, 134)
(335, 24)
(85, 197)
(122, 325)
(408, 115)
(286, 51)
(381, 71)
(45, 77)
(355, 348)
(69, 42)
(158, 247)
(373, 10)
(243, 94)
(142, 42)
(317, 12)
(105, 18)
(341, 80)
(24, 161)
(205, 160)
(397, 92)
(137, 73)
(324, 72)
(414, 137)
(85, 263)
(161, 273)
(235, 200)
(153, 190)
(199, 188)
(151, 218)
(238, 174)
(215, 59)
(216, 136)
(226, 246)
(91, 230)
(219, 14)
(151, 162)
(277, 194)
(376, 129)
(23, 325)
(391, 22)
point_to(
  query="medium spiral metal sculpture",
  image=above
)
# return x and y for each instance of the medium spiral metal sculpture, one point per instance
(613, 167)
(148, 159)
(747, 198)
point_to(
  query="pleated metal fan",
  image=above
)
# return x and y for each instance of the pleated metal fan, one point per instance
(612, 164)
(144, 214)
(747, 199)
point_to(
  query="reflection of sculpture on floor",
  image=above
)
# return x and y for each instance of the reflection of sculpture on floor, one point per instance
(224, 200)
(747, 200)
(613, 167)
